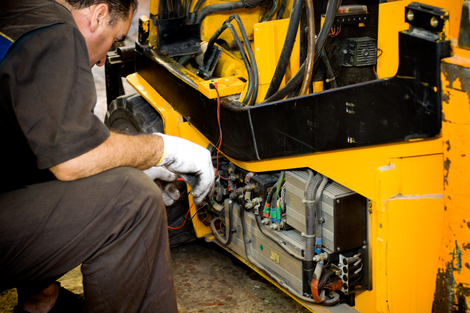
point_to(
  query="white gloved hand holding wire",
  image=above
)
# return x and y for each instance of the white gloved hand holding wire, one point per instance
(191, 162)
(169, 190)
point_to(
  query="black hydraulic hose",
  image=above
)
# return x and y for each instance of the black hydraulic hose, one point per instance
(318, 218)
(282, 9)
(310, 50)
(251, 74)
(188, 7)
(228, 231)
(185, 4)
(269, 198)
(195, 10)
(286, 48)
(211, 43)
(330, 76)
(252, 69)
(218, 7)
(297, 78)
(179, 8)
(254, 66)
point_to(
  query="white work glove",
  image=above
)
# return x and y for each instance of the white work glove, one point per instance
(170, 192)
(190, 161)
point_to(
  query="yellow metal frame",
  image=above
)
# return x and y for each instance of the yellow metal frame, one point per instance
(418, 191)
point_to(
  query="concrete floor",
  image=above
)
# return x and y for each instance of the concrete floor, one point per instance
(207, 279)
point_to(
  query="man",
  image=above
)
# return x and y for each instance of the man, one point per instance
(71, 191)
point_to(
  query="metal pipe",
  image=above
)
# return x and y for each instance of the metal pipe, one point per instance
(228, 232)
(318, 222)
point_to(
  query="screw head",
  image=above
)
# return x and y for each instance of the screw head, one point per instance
(338, 248)
(434, 22)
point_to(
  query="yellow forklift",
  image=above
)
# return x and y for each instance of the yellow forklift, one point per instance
(340, 134)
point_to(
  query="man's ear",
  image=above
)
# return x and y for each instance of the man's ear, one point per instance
(99, 16)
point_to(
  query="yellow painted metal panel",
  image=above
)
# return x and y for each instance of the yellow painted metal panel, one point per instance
(153, 29)
(391, 21)
(422, 180)
(187, 132)
(406, 227)
(268, 42)
(230, 65)
(360, 164)
(171, 118)
(453, 279)
(415, 228)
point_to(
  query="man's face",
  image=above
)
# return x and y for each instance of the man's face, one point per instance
(99, 44)
(93, 23)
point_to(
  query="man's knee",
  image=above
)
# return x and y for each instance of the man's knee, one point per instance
(135, 188)
(130, 178)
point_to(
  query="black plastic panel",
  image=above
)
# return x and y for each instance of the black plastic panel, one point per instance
(404, 107)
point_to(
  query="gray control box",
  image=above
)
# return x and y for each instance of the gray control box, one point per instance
(344, 212)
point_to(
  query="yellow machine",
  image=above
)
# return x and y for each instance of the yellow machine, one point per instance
(340, 131)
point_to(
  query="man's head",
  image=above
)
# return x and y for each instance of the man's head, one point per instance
(118, 9)
(101, 22)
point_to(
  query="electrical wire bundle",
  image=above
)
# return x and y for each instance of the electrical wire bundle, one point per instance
(271, 9)
(186, 216)
(274, 93)
(250, 63)
(197, 16)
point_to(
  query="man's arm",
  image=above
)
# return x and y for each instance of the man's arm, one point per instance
(141, 151)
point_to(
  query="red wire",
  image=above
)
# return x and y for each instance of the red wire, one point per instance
(185, 218)
(218, 149)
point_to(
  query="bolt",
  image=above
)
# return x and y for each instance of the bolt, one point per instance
(337, 201)
(380, 225)
(365, 242)
(410, 15)
(338, 248)
(434, 22)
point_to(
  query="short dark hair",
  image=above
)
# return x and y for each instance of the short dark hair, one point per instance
(118, 9)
